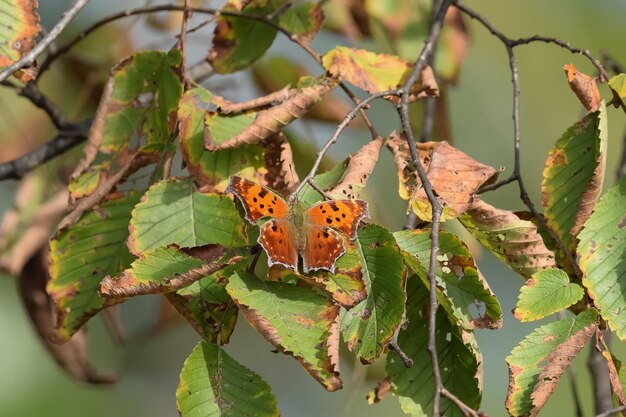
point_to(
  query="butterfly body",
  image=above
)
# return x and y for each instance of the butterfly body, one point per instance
(312, 233)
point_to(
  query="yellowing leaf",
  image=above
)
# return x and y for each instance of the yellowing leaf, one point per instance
(376, 72)
(618, 84)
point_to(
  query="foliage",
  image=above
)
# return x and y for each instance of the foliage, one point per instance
(133, 228)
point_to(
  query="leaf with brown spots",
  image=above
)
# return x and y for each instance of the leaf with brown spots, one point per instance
(601, 251)
(375, 73)
(294, 105)
(18, 30)
(296, 320)
(454, 176)
(81, 255)
(537, 363)
(584, 86)
(360, 167)
(368, 327)
(460, 284)
(514, 241)
(573, 176)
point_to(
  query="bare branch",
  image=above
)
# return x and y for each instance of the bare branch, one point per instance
(17, 168)
(403, 109)
(612, 412)
(31, 56)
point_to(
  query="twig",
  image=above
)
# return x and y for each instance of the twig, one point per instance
(510, 179)
(509, 45)
(318, 189)
(36, 97)
(47, 40)
(612, 412)
(333, 139)
(403, 109)
(17, 168)
(181, 41)
(393, 342)
(465, 409)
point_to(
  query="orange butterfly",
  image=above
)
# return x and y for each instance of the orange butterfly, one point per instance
(294, 230)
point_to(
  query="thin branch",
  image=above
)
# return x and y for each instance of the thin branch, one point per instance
(333, 139)
(319, 190)
(612, 412)
(181, 41)
(36, 97)
(17, 168)
(510, 179)
(509, 45)
(465, 409)
(393, 343)
(403, 109)
(47, 40)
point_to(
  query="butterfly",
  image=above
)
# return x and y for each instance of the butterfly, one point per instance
(312, 233)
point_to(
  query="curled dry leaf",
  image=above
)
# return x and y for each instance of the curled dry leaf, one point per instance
(297, 103)
(615, 366)
(584, 87)
(454, 176)
(18, 34)
(359, 169)
(281, 174)
(375, 73)
(378, 393)
(72, 355)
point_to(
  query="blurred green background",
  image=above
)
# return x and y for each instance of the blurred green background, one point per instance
(480, 106)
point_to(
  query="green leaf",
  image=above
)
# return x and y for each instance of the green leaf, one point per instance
(144, 98)
(212, 383)
(537, 363)
(303, 20)
(546, 292)
(208, 307)
(368, 327)
(602, 250)
(618, 84)
(514, 241)
(166, 269)
(460, 283)
(19, 25)
(82, 255)
(173, 212)
(458, 364)
(573, 176)
(296, 320)
(238, 42)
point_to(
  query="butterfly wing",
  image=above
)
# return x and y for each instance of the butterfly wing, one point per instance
(343, 215)
(277, 238)
(258, 201)
(323, 246)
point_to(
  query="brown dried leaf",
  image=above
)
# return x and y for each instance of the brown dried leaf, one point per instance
(270, 121)
(584, 86)
(72, 355)
(359, 169)
(555, 365)
(454, 176)
(377, 395)
(614, 366)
